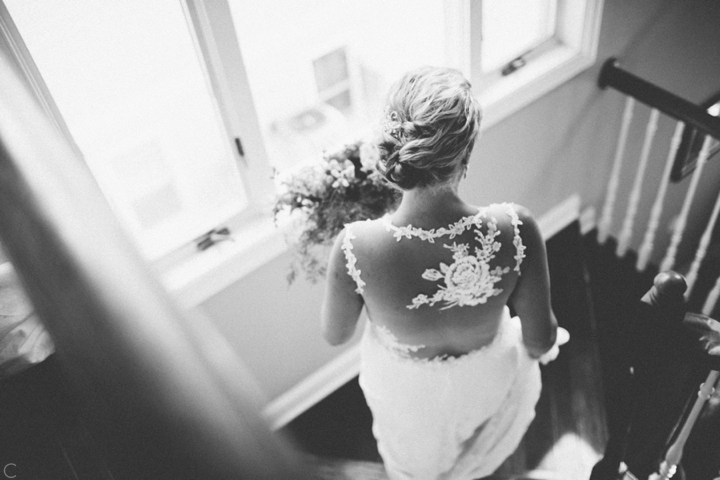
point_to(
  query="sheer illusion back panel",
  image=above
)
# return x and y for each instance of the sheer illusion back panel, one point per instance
(397, 266)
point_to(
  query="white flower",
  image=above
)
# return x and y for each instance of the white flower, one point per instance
(432, 274)
(464, 275)
(417, 301)
(349, 171)
(342, 181)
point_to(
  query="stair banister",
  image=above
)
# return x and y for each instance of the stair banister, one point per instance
(668, 261)
(702, 249)
(648, 243)
(703, 331)
(611, 195)
(162, 393)
(629, 222)
(674, 454)
(612, 75)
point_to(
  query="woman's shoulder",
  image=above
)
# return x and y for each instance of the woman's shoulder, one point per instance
(511, 209)
(364, 232)
(518, 217)
(364, 227)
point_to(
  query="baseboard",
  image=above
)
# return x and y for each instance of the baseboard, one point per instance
(346, 366)
(314, 388)
(559, 216)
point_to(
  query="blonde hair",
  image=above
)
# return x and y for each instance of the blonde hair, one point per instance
(432, 120)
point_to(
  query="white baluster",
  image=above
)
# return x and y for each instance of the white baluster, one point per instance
(675, 451)
(669, 260)
(606, 219)
(626, 233)
(649, 239)
(712, 299)
(691, 277)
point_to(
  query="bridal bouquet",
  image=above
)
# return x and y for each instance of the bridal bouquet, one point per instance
(319, 199)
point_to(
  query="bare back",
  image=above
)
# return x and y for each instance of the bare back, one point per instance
(441, 290)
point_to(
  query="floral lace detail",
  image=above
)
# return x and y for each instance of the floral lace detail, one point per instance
(389, 340)
(430, 235)
(351, 259)
(517, 240)
(469, 279)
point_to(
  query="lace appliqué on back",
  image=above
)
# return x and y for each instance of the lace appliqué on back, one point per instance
(430, 235)
(469, 279)
(517, 240)
(390, 341)
(351, 260)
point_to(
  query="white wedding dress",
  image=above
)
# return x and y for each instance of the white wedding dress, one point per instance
(449, 417)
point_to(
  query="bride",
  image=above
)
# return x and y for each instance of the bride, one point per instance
(450, 377)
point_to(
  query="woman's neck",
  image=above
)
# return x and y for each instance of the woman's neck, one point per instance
(431, 206)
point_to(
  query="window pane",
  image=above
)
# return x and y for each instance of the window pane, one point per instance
(331, 69)
(128, 82)
(512, 27)
(319, 70)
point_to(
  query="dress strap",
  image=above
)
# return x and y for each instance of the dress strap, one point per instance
(351, 259)
(517, 240)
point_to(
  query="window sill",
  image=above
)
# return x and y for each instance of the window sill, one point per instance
(531, 82)
(209, 272)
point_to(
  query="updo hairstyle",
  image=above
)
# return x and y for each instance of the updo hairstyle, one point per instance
(432, 120)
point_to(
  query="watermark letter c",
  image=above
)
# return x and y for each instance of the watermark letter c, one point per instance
(6, 470)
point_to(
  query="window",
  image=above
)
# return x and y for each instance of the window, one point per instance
(525, 48)
(183, 109)
(512, 29)
(333, 80)
(319, 70)
(125, 79)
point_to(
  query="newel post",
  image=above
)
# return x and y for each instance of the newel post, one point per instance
(667, 293)
(658, 362)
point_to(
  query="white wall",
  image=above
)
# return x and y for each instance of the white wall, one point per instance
(560, 145)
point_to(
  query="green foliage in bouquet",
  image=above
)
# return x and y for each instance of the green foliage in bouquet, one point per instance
(320, 199)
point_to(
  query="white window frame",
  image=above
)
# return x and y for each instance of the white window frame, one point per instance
(571, 50)
(197, 275)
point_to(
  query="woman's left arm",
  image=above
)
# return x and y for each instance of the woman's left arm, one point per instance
(342, 304)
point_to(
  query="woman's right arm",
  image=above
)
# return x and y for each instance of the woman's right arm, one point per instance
(531, 297)
(342, 304)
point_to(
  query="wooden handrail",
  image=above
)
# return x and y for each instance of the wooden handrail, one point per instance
(162, 391)
(612, 75)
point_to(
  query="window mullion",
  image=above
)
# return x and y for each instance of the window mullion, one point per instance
(216, 41)
(459, 35)
(476, 41)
